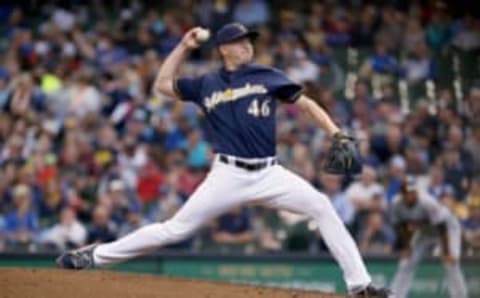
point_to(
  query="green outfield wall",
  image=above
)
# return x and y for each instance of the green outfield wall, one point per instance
(308, 273)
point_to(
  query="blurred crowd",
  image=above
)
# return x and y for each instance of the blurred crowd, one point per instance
(88, 153)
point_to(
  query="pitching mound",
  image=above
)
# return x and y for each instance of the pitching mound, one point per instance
(51, 283)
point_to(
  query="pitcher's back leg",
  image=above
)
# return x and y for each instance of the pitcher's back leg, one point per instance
(212, 198)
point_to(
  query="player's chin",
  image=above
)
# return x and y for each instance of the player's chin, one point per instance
(247, 59)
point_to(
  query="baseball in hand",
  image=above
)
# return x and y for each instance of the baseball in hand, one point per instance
(202, 35)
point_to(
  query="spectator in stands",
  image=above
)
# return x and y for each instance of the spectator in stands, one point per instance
(366, 194)
(21, 224)
(332, 187)
(69, 233)
(302, 69)
(467, 37)
(53, 201)
(338, 29)
(300, 164)
(25, 96)
(438, 32)
(12, 150)
(329, 72)
(136, 126)
(314, 33)
(289, 30)
(472, 144)
(457, 208)
(364, 147)
(381, 62)
(267, 229)
(420, 65)
(251, 12)
(150, 181)
(106, 141)
(456, 172)
(5, 131)
(171, 35)
(6, 199)
(472, 103)
(102, 229)
(471, 226)
(362, 94)
(169, 200)
(134, 221)
(414, 34)
(365, 29)
(391, 29)
(386, 111)
(119, 200)
(131, 158)
(213, 14)
(84, 98)
(416, 156)
(387, 145)
(360, 116)
(234, 228)
(473, 196)
(437, 185)
(455, 140)
(397, 173)
(198, 150)
(376, 236)
(337, 109)
(4, 88)
(44, 161)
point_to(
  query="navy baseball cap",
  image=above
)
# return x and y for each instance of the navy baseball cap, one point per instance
(233, 31)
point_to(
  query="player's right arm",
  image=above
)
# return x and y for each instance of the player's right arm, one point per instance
(439, 216)
(165, 79)
(403, 228)
(405, 231)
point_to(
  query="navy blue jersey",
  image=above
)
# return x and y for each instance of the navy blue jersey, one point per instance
(240, 107)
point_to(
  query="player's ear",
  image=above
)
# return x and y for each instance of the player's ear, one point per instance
(221, 51)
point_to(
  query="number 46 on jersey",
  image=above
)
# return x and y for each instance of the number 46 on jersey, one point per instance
(259, 110)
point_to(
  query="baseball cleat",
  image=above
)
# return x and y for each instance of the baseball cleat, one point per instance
(78, 259)
(371, 292)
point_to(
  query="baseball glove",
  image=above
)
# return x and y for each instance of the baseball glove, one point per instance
(343, 157)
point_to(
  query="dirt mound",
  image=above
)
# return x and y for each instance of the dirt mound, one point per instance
(51, 283)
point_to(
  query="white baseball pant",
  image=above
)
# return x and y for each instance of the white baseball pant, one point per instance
(226, 187)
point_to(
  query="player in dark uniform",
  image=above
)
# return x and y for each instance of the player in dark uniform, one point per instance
(239, 102)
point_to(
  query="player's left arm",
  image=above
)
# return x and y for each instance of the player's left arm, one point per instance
(309, 107)
(438, 216)
(405, 231)
(342, 157)
(443, 229)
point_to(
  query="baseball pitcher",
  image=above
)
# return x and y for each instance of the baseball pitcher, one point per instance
(421, 223)
(239, 102)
